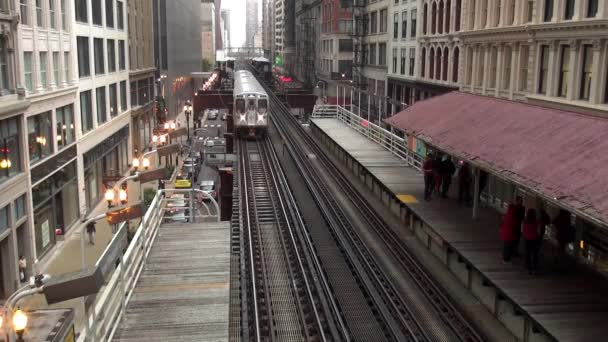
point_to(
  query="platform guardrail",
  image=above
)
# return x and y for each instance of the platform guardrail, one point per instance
(385, 138)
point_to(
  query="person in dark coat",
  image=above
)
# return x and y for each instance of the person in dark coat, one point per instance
(464, 183)
(427, 169)
(531, 234)
(565, 233)
(483, 181)
(447, 171)
(91, 231)
(437, 172)
(520, 214)
(506, 234)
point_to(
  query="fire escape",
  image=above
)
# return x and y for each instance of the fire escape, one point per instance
(358, 32)
(306, 48)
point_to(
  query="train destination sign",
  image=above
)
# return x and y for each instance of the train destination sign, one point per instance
(125, 214)
(167, 150)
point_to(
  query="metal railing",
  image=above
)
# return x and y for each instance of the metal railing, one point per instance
(388, 140)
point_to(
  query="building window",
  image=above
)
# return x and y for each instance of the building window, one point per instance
(569, 9)
(66, 134)
(39, 18)
(39, 136)
(530, 11)
(396, 26)
(506, 78)
(394, 60)
(469, 66)
(543, 70)
(27, 70)
(10, 153)
(373, 22)
(111, 56)
(98, 52)
(142, 92)
(19, 208)
(497, 12)
(81, 10)
(472, 15)
(345, 45)
(4, 71)
(484, 13)
(413, 24)
(457, 7)
(25, 18)
(86, 111)
(433, 18)
(113, 101)
(134, 102)
(548, 15)
(592, 8)
(56, 68)
(383, 20)
(493, 62)
(372, 54)
(455, 61)
(120, 15)
(121, 55)
(523, 74)
(110, 13)
(4, 223)
(66, 67)
(100, 97)
(43, 64)
(64, 19)
(404, 24)
(84, 68)
(511, 14)
(52, 14)
(564, 70)
(423, 62)
(345, 26)
(412, 61)
(403, 59)
(97, 13)
(123, 96)
(382, 54)
(425, 19)
(586, 72)
(480, 66)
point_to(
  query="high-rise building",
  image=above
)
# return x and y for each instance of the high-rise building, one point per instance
(177, 46)
(219, 45)
(268, 30)
(208, 30)
(226, 28)
(251, 22)
(141, 73)
(308, 35)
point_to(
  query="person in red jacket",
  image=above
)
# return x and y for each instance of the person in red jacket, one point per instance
(531, 234)
(427, 169)
(507, 234)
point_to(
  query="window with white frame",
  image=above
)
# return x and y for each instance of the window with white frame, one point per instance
(53, 20)
(523, 71)
(110, 13)
(39, 16)
(64, 19)
(4, 69)
(56, 67)
(586, 70)
(96, 6)
(43, 68)
(25, 18)
(543, 70)
(66, 67)
(412, 61)
(506, 78)
(27, 70)
(403, 59)
(111, 55)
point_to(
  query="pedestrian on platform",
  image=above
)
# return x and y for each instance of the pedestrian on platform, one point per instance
(565, 233)
(464, 183)
(427, 169)
(545, 220)
(520, 214)
(531, 233)
(22, 268)
(91, 231)
(447, 171)
(437, 173)
(483, 181)
(506, 234)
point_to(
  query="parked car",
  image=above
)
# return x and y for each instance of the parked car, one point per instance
(212, 115)
(225, 116)
(208, 186)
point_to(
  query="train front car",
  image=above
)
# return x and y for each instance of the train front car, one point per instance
(250, 106)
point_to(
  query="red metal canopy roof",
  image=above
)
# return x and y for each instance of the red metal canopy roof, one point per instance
(562, 155)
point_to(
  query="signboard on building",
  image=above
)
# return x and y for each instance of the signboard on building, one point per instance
(278, 60)
(125, 214)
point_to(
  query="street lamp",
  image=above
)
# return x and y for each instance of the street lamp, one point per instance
(145, 162)
(122, 196)
(109, 196)
(19, 323)
(135, 163)
(188, 112)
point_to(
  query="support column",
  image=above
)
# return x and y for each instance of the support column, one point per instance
(595, 95)
(499, 69)
(573, 85)
(486, 64)
(551, 77)
(514, 70)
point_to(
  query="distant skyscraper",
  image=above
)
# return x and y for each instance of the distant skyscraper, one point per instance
(251, 22)
(226, 28)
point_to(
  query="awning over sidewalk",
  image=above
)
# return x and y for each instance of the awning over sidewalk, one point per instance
(562, 155)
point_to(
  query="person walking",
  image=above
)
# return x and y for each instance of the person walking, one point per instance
(437, 173)
(447, 171)
(531, 233)
(520, 214)
(91, 231)
(565, 233)
(506, 234)
(464, 183)
(427, 169)
(22, 268)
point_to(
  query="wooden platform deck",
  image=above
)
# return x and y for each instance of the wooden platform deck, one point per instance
(183, 293)
(567, 300)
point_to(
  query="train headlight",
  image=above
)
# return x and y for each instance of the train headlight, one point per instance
(242, 117)
(261, 117)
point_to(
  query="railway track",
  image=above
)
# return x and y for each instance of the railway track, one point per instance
(286, 299)
(403, 318)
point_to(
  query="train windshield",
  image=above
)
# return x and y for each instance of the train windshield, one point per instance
(262, 105)
(251, 104)
(240, 106)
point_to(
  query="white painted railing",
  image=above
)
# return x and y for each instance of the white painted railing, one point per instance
(110, 303)
(385, 138)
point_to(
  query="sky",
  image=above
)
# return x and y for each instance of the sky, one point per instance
(237, 20)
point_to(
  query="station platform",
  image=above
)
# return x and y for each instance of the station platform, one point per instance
(183, 292)
(566, 302)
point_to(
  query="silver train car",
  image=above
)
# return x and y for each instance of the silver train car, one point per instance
(250, 106)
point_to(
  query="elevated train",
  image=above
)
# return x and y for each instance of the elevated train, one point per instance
(250, 106)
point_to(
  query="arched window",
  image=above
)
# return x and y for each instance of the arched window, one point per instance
(432, 63)
(455, 65)
(438, 64)
(457, 15)
(434, 18)
(423, 63)
(424, 18)
(448, 12)
(446, 55)
(440, 17)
